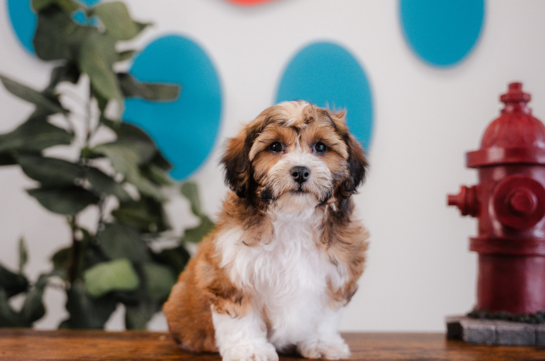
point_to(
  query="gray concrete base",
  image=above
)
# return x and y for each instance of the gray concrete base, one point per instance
(492, 332)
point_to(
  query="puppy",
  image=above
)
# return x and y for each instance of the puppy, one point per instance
(288, 249)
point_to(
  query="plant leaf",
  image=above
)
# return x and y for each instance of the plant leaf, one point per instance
(7, 158)
(104, 184)
(92, 254)
(32, 96)
(137, 317)
(128, 133)
(118, 22)
(159, 281)
(160, 161)
(63, 73)
(125, 158)
(120, 241)
(102, 102)
(50, 171)
(149, 91)
(196, 234)
(133, 148)
(156, 174)
(64, 200)
(176, 258)
(191, 191)
(61, 258)
(57, 36)
(161, 91)
(85, 311)
(12, 283)
(69, 6)
(34, 135)
(8, 317)
(146, 214)
(23, 255)
(96, 58)
(125, 55)
(110, 276)
(33, 307)
(144, 186)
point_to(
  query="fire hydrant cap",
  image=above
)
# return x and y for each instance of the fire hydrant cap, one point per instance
(515, 137)
(515, 94)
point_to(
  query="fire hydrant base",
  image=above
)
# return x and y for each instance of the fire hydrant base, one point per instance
(493, 332)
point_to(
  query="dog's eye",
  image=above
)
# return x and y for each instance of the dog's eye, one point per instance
(276, 147)
(320, 148)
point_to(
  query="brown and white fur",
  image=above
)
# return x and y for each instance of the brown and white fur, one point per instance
(287, 251)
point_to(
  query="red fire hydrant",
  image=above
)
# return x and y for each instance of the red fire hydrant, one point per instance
(509, 202)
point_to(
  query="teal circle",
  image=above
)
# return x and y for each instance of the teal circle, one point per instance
(186, 129)
(442, 32)
(327, 75)
(23, 20)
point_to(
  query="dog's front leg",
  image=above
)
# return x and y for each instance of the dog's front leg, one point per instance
(325, 340)
(243, 338)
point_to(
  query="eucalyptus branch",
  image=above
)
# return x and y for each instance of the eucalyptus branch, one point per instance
(66, 188)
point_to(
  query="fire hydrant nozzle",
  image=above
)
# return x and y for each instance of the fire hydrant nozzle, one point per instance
(467, 201)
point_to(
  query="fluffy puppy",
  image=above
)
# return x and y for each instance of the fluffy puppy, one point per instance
(287, 250)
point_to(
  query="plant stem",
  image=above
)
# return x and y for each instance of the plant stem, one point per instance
(101, 222)
(73, 266)
(93, 131)
(88, 120)
(75, 253)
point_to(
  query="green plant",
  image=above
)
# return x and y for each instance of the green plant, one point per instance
(119, 261)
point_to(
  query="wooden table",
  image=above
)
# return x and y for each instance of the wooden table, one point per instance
(23, 344)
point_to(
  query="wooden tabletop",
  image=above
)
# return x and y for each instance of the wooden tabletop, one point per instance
(23, 344)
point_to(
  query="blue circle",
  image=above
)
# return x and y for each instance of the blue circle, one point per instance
(329, 76)
(185, 130)
(442, 32)
(24, 19)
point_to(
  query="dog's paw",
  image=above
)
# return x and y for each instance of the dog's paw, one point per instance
(250, 352)
(332, 349)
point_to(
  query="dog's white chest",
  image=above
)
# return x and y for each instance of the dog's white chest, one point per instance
(292, 286)
(288, 277)
(291, 263)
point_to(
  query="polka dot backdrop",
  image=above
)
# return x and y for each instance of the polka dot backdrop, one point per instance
(441, 33)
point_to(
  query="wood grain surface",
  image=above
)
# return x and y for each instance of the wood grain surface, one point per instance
(23, 344)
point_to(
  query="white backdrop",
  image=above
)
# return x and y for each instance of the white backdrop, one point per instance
(419, 267)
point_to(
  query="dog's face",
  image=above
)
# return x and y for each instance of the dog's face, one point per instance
(294, 155)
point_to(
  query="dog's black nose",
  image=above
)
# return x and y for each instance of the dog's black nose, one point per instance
(300, 174)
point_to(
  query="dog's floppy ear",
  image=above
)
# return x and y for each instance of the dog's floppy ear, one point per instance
(236, 160)
(357, 163)
(237, 164)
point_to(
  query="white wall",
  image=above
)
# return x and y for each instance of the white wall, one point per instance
(419, 267)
